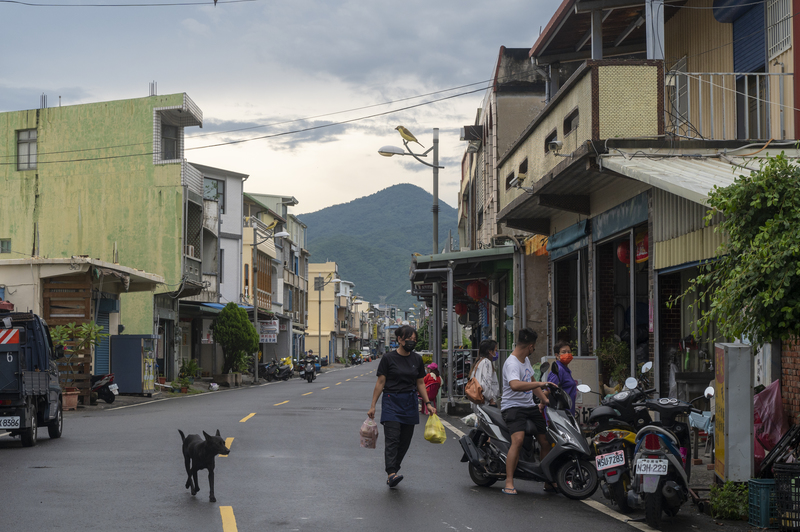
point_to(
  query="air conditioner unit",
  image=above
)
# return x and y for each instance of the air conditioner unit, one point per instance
(188, 250)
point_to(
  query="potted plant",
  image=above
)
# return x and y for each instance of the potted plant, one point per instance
(615, 355)
(190, 369)
(184, 384)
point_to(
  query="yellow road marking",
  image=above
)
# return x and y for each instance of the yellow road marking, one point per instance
(347, 380)
(228, 519)
(309, 393)
(279, 404)
(337, 384)
(228, 443)
(246, 418)
(325, 388)
(357, 376)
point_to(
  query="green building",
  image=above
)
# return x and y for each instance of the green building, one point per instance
(109, 181)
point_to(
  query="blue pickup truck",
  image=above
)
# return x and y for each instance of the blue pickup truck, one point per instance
(30, 395)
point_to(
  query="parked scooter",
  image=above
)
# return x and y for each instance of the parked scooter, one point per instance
(614, 424)
(274, 371)
(104, 387)
(568, 463)
(662, 462)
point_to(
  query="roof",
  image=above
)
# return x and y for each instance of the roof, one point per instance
(252, 198)
(567, 34)
(218, 171)
(137, 280)
(467, 265)
(688, 177)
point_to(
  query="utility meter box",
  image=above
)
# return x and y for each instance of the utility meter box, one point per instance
(733, 411)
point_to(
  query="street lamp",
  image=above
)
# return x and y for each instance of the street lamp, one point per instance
(270, 233)
(319, 286)
(389, 151)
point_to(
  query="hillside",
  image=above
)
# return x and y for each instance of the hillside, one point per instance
(372, 239)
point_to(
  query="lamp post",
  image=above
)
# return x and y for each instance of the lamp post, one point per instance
(319, 286)
(270, 233)
(389, 151)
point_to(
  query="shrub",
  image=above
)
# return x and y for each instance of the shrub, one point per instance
(730, 501)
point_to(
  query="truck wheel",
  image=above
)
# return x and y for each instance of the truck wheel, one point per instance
(55, 427)
(29, 435)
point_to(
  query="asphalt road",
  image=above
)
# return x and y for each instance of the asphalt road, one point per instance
(295, 464)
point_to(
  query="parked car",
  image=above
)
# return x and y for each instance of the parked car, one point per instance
(366, 356)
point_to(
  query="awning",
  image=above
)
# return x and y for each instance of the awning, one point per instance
(688, 177)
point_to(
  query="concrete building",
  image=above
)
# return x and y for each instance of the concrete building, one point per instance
(323, 304)
(109, 181)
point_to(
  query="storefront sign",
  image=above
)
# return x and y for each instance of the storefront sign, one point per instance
(284, 326)
(268, 331)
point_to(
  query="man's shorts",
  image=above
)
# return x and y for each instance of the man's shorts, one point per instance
(516, 419)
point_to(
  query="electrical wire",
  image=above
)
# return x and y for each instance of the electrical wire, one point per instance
(262, 137)
(169, 4)
(190, 137)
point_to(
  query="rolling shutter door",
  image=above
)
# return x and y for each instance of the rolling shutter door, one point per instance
(749, 42)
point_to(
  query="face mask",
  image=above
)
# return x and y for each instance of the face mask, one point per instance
(495, 355)
(566, 358)
(409, 345)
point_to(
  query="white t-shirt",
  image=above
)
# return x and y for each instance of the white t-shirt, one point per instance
(514, 370)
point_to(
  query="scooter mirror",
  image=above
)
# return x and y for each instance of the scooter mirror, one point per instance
(544, 368)
(647, 367)
(631, 383)
(584, 388)
(709, 393)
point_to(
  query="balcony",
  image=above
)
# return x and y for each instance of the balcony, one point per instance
(726, 105)
(601, 100)
(210, 291)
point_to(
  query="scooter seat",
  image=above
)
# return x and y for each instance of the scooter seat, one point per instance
(497, 418)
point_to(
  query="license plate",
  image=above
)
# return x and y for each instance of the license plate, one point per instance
(9, 423)
(650, 466)
(459, 382)
(607, 461)
(114, 388)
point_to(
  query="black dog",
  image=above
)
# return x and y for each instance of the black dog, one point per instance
(199, 454)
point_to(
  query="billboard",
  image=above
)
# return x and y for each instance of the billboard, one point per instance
(268, 331)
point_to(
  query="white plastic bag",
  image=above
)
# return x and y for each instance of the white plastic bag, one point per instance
(369, 434)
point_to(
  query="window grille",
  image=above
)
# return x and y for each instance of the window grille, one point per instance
(779, 30)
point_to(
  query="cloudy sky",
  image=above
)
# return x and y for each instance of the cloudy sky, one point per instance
(260, 68)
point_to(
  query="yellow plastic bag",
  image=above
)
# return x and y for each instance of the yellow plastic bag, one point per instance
(434, 430)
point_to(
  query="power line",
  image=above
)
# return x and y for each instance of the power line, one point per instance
(241, 141)
(169, 4)
(190, 137)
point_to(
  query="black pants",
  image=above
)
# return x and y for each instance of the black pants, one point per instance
(397, 439)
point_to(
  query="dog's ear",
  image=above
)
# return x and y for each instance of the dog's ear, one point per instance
(206, 436)
(218, 436)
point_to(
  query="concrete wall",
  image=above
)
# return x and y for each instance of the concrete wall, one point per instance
(107, 191)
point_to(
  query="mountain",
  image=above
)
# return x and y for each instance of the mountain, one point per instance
(372, 239)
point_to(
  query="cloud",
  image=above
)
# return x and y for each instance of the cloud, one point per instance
(194, 26)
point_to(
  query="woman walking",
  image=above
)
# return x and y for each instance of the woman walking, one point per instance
(401, 376)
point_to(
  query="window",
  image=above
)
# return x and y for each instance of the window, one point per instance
(221, 266)
(214, 189)
(779, 30)
(510, 181)
(571, 122)
(550, 138)
(5, 245)
(169, 142)
(26, 149)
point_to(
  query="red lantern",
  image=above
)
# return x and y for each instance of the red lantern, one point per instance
(477, 290)
(461, 308)
(624, 252)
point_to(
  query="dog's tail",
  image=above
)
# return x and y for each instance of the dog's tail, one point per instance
(183, 438)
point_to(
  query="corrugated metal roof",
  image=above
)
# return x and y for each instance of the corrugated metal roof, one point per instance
(466, 256)
(688, 177)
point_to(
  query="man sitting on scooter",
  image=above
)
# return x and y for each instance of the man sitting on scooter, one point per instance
(517, 404)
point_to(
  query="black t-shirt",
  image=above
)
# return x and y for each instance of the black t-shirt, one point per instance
(401, 371)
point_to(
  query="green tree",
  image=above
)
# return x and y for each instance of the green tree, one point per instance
(237, 336)
(754, 287)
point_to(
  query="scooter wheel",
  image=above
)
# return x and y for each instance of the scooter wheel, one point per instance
(569, 481)
(107, 396)
(619, 494)
(310, 378)
(652, 508)
(479, 478)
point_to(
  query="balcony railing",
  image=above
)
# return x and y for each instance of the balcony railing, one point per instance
(726, 105)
